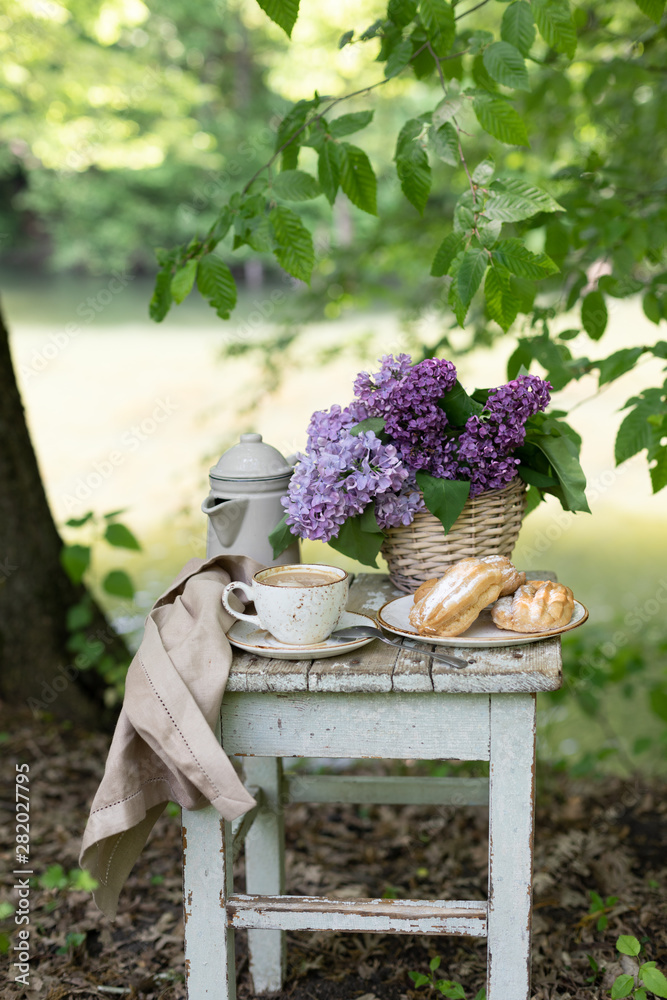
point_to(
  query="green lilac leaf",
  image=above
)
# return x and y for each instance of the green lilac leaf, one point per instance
(183, 280)
(438, 19)
(458, 405)
(216, 283)
(293, 244)
(121, 537)
(375, 424)
(412, 165)
(594, 315)
(499, 119)
(504, 64)
(118, 583)
(445, 498)
(471, 272)
(447, 251)
(518, 259)
(517, 26)
(281, 537)
(347, 124)
(357, 542)
(563, 457)
(554, 21)
(296, 185)
(357, 178)
(282, 12)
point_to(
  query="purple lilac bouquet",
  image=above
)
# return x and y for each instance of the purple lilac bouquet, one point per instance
(412, 439)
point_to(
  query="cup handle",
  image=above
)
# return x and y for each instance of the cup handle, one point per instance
(248, 591)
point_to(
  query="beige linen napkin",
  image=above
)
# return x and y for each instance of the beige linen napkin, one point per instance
(164, 746)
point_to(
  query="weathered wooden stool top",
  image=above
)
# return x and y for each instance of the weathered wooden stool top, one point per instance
(377, 667)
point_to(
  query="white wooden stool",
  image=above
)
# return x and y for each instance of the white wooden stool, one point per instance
(374, 703)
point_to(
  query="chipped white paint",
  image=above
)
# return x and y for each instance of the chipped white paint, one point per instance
(265, 869)
(379, 702)
(389, 790)
(511, 799)
(421, 726)
(395, 916)
(241, 826)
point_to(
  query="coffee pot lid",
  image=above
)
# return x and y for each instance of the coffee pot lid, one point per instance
(251, 460)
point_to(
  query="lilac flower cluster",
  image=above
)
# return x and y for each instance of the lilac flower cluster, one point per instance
(341, 473)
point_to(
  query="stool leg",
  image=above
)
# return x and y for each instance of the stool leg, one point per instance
(265, 870)
(207, 882)
(511, 807)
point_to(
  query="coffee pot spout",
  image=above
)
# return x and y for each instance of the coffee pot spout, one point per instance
(226, 518)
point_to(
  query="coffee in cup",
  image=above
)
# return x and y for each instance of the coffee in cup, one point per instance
(298, 604)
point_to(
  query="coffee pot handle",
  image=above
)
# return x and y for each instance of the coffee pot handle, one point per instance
(249, 593)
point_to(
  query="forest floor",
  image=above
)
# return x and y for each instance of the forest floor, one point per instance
(606, 836)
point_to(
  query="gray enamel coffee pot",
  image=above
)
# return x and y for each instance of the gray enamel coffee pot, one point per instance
(244, 505)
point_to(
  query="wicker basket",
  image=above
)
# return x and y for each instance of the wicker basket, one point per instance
(488, 525)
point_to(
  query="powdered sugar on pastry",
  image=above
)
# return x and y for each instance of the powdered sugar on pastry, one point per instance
(511, 578)
(454, 602)
(537, 606)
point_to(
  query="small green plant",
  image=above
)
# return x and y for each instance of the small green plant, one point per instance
(602, 907)
(72, 941)
(77, 879)
(651, 978)
(446, 987)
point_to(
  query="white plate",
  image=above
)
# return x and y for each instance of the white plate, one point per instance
(258, 641)
(393, 616)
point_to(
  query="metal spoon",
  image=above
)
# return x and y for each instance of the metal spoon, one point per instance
(365, 631)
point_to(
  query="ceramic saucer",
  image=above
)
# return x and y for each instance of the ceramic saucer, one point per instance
(259, 642)
(393, 617)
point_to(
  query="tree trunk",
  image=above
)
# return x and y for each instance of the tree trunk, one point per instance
(35, 592)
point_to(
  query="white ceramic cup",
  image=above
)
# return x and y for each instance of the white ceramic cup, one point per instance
(298, 604)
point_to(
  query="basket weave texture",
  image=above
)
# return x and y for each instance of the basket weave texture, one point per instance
(488, 525)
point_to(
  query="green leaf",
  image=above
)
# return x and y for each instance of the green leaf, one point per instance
(511, 199)
(438, 19)
(78, 522)
(501, 302)
(517, 26)
(118, 583)
(347, 124)
(434, 963)
(518, 259)
(471, 272)
(458, 405)
(79, 615)
(658, 702)
(504, 64)
(653, 9)
(652, 307)
(445, 498)
(594, 315)
(552, 356)
(375, 424)
(281, 537)
(484, 171)
(535, 478)
(412, 165)
(293, 244)
(296, 185)
(328, 170)
(628, 945)
(488, 234)
(635, 433)
(659, 469)
(359, 539)
(183, 280)
(618, 363)
(622, 987)
(447, 109)
(447, 251)
(216, 283)
(401, 12)
(162, 298)
(291, 124)
(419, 979)
(282, 12)
(563, 457)
(521, 358)
(499, 119)
(121, 537)
(357, 178)
(399, 58)
(459, 308)
(554, 21)
(444, 142)
(640, 995)
(345, 39)
(75, 560)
